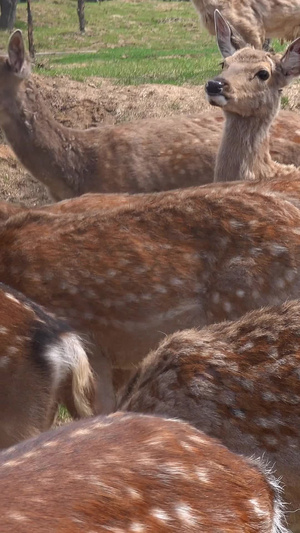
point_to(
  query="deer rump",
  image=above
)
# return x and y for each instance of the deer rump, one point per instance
(92, 481)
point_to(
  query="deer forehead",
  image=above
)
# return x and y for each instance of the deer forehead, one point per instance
(249, 68)
(250, 55)
(239, 73)
(250, 62)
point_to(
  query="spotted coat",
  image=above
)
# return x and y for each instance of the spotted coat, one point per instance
(134, 474)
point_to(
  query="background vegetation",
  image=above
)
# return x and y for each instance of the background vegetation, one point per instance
(132, 42)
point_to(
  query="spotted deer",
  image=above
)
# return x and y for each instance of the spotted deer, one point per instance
(42, 362)
(177, 479)
(255, 20)
(131, 274)
(142, 156)
(248, 91)
(236, 381)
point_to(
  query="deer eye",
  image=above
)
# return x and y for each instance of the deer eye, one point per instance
(263, 75)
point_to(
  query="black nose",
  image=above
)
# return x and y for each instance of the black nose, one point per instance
(214, 87)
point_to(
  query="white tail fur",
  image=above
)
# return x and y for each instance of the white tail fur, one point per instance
(68, 358)
(42, 362)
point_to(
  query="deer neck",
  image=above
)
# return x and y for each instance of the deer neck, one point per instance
(39, 141)
(244, 151)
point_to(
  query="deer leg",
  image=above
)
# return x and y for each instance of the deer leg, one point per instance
(105, 396)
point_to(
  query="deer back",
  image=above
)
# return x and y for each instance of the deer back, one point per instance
(166, 262)
(237, 381)
(177, 479)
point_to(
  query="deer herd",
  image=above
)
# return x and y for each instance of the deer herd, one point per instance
(158, 300)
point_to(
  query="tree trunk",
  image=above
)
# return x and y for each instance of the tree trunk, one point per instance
(30, 31)
(80, 12)
(8, 14)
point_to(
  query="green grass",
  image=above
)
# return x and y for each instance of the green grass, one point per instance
(63, 416)
(130, 65)
(132, 42)
(284, 102)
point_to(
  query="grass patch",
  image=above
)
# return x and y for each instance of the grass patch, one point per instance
(63, 416)
(130, 65)
(131, 42)
(284, 103)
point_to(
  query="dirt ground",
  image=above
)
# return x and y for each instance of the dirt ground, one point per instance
(98, 102)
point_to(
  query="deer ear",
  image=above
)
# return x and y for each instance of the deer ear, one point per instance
(229, 40)
(290, 60)
(16, 53)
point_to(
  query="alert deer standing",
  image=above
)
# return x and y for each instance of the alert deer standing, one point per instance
(248, 91)
(236, 381)
(85, 477)
(255, 20)
(144, 156)
(42, 362)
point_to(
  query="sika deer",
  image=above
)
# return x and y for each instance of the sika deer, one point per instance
(255, 20)
(177, 479)
(248, 91)
(236, 381)
(131, 274)
(143, 156)
(42, 362)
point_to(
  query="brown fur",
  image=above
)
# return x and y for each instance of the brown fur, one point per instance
(82, 204)
(255, 20)
(134, 473)
(131, 274)
(237, 381)
(42, 362)
(285, 188)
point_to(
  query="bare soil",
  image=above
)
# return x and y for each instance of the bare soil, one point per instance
(99, 102)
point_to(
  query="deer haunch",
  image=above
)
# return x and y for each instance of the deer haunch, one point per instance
(42, 362)
(237, 381)
(134, 473)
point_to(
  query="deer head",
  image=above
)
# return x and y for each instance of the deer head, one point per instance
(252, 80)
